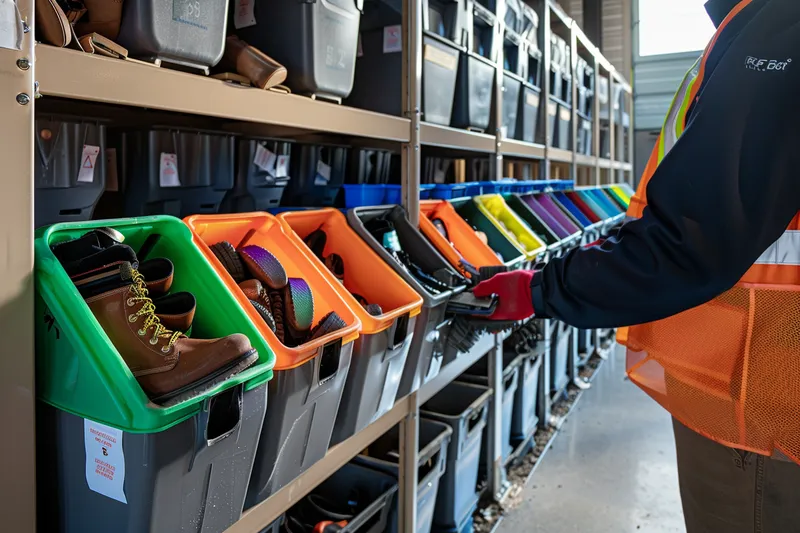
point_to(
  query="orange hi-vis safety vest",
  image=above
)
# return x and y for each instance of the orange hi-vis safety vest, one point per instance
(728, 369)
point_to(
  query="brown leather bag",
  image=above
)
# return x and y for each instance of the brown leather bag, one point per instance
(94, 43)
(52, 25)
(263, 71)
(103, 17)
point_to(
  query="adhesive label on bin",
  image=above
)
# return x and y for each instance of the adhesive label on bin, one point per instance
(323, 174)
(440, 57)
(245, 14)
(532, 99)
(105, 460)
(168, 171)
(282, 166)
(88, 162)
(264, 159)
(192, 12)
(392, 39)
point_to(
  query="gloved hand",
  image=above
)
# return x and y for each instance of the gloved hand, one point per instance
(513, 290)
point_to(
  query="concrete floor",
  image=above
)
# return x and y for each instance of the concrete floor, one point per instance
(611, 469)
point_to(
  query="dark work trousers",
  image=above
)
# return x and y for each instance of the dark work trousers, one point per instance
(730, 491)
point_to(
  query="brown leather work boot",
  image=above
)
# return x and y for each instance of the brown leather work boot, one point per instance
(169, 366)
(103, 17)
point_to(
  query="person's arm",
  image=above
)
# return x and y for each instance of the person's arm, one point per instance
(724, 193)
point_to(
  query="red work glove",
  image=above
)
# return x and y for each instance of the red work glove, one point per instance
(513, 290)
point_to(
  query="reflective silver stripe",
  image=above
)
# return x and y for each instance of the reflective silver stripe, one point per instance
(670, 134)
(785, 251)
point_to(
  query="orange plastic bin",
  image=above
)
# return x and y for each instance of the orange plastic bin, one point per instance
(309, 379)
(461, 242)
(382, 346)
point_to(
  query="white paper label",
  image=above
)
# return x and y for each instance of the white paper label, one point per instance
(88, 162)
(168, 174)
(105, 460)
(282, 166)
(264, 159)
(11, 29)
(245, 14)
(323, 174)
(392, 39)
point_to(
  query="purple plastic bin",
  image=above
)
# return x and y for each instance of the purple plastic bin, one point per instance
(546, 217)
(558, 214)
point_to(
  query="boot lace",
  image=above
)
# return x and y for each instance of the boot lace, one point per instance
(148, 311)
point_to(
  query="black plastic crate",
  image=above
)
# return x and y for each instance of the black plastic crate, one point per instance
(483, 32)
(465, 408)
(564, 138)
(178, 32)
(514, 54)
(315, 41)
(69, 168)
(474, 88)
(445, 18)
(528, 116)
(585, 101)
(373, 166)
(427, 348)
(378, 83)
(363, 497)
(262, 173)
(173, 171)
(318, 172)
(512, 87)
(384, 455)
(584, 136)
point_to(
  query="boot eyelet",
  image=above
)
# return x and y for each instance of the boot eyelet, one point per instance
(166, 349)
(141, 332)
(154, 341)
(129, 302)
(132, 318)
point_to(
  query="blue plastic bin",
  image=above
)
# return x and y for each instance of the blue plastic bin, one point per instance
(393, 194)
(425, 191)
(362, 195)
(449, 191)
(473, 189)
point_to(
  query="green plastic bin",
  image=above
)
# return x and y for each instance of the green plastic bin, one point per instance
(511, 256)
(198, 453)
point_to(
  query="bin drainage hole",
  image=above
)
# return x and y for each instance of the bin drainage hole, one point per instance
(69, 212)
(329, 361)
(223, 413)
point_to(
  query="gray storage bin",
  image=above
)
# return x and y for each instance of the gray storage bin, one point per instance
(367, 496)
(584, 136)
(374, 377)
(525, 419)
(514, 54)
(585, 101)
(261, 178)
(203, 164)
(315, 41)
(378, 84)
(69, 167)
(552, 121)
(479, 374)
(566, 87)
(512, 86)
(191, 477)
(528, 118)
(183, 32)
(585, 342)
(465, 408)
(531, 65)
(427, 347)
(474, 88)
(559, 356)
(318, 174)
(433, 440)
(298, 427)
(529, 28)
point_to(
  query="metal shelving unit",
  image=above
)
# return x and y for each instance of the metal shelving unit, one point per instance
(40, 70)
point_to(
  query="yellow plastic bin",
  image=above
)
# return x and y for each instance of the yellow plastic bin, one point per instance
(495, 208)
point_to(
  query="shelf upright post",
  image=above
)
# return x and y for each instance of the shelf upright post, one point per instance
(496, 170)
(612, 125)
(545, 403)
(596, 118)
(631, 133)
(548, 134)
(17, 394)
(498, 484)
(573, 66)
(412, 106)
(410, 176)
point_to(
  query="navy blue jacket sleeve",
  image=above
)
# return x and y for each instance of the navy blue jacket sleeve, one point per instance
(725, 192)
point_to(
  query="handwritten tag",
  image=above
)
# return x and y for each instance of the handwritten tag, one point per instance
(105, 460)
(245, 15)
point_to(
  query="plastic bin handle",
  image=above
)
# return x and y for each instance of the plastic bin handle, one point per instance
(381, 505)
(220, 418)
